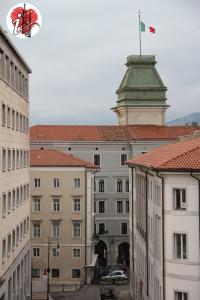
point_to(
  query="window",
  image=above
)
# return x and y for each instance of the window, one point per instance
(56, 229)
(9, 245)
(119, 206)
(3, 249)
(180, 246)
(36, 182)
(56, 204)
(101, 207)
(123, 158)
(55, 273)
(36, 252)
(119, 185)
(101, 228)
(3, 118)
(97, 159)
(17, 236)
(55, 252)
(13, 159)
(36, 230)
(9, 202)
(127, 186)
(3, 160)
(35, 273)
(77, 205)
(4, 206)
(179, 198)
(124, 228)
(76, 229)
(9, 160)
(127, 206)
(181, 295)
(13, 240)
(8, 117)
(76, 273)
(101, 185)
(36, 205)
(76, 252)
(77, 182)
(56, 183)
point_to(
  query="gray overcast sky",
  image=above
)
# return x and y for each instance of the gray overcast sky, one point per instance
(79, 54)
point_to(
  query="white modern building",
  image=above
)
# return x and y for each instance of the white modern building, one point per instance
(15, 263)
(165, 224)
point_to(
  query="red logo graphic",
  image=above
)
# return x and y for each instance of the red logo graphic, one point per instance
(24, 20)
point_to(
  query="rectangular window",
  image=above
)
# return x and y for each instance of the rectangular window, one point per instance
(13, 159)
(76, 273)
(55, 252)
(9, 202)
(56, 229)
(17, 236)
(124, 228)
(76, 252)
(55, 273)
(35, 273)
(181, 295)
(36, 252)
(36, 182)
(127, 206)
(101, 228)
(4, 205)
(8, 117)
(180, 246)
(3, 249)
(56, 204)
(101, 207)
(36, 230)
(3, 116)
(179, 198)
(13, 240)
(76, 229)
(77, 182)
(3, 160)
(97, 161)
(119, 206)
(77, 205)
(9, 245)
(123, 159)
(9, 160)
(36, 205)
(56, 183)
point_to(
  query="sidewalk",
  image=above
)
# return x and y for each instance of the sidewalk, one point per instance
(124, 295)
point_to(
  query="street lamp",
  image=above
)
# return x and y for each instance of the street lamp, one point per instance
(48, 256)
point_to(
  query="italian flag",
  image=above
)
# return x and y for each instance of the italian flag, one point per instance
(143, 28)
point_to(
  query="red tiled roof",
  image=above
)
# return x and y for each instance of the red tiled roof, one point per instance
(179, 156)
(54, 158)
(107, 133)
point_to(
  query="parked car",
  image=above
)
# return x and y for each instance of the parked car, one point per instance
(118, 277)
(114, 267)
(107, 293)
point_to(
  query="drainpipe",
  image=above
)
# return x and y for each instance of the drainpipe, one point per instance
(163, 234)
(132, 225)
(85, 224)
(199, 202)
(147, 231)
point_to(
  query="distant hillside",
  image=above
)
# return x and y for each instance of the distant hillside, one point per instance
(189, 119)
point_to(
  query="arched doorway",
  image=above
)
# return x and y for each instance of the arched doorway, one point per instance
(101, 250)
(123, 253)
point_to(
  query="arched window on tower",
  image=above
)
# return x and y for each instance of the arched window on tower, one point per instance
(119, 185)
(101, 185)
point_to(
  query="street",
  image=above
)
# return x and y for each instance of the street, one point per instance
(91, 292)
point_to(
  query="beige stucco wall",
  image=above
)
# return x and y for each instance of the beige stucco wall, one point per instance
(66, 192)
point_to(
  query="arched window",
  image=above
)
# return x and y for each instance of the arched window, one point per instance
(101, 185)
(119, 185)
(127, 185)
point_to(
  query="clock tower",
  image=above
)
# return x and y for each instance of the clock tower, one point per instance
(141, 94)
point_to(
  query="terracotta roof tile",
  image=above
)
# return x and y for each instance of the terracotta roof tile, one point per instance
(179, 156)
(107, 133)
(54, 158)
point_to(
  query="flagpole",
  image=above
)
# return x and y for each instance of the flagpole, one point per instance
(140, 35)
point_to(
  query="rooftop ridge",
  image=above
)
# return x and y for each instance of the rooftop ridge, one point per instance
(143, 59)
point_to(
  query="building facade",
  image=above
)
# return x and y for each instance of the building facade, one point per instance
(61, 194)
(165, 224)
(141, 109)
(15, 277)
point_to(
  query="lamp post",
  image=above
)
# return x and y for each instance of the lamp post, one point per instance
(48, 258)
